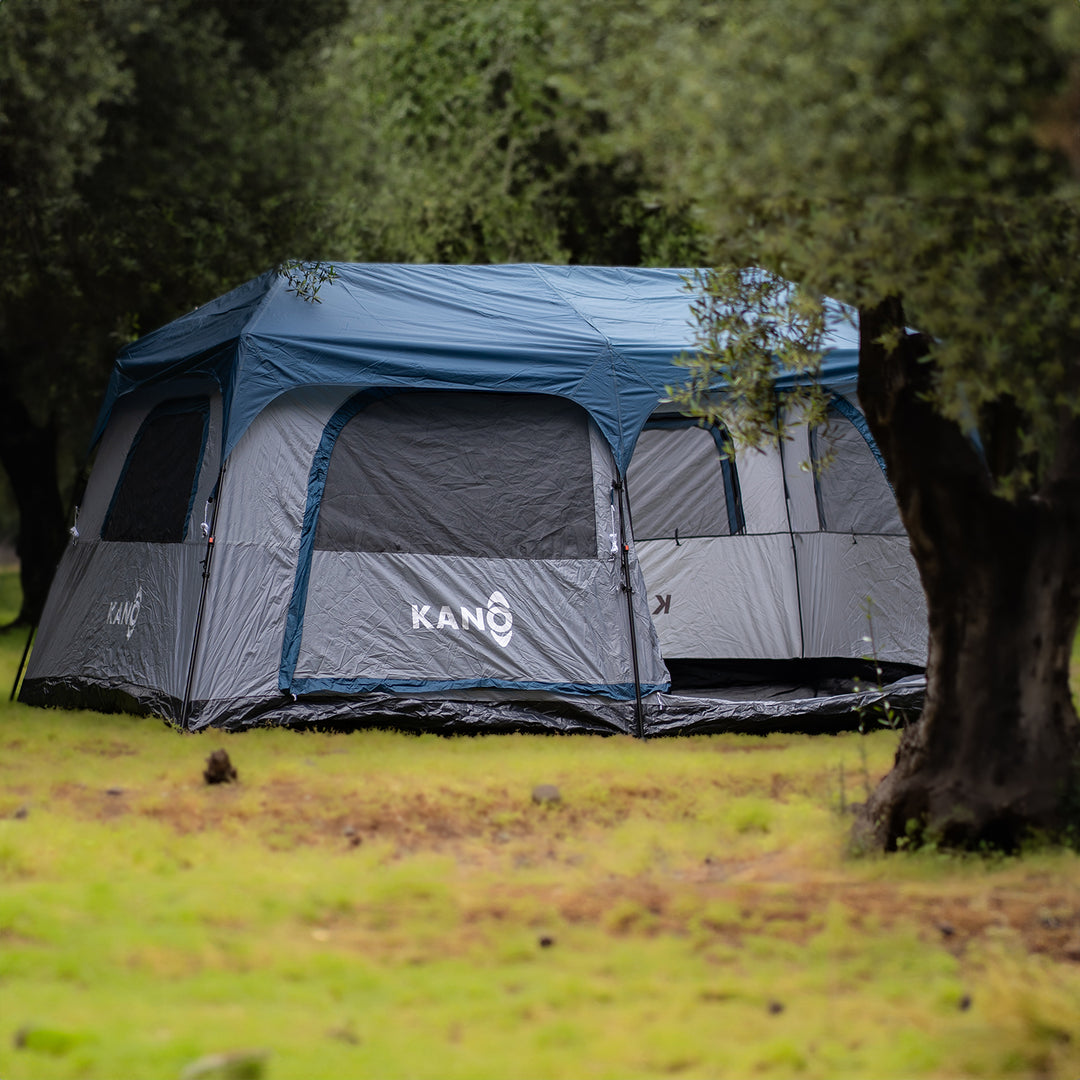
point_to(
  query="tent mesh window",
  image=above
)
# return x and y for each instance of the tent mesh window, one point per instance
(853, 494)
(462, 473)
(683, 485)
(154, 494)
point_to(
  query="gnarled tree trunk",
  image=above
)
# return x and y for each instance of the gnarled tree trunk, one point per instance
(993, 755)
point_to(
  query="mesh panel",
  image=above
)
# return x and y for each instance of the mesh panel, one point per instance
(677, 485)
(489, 475)
(852, 492)
(153, 497)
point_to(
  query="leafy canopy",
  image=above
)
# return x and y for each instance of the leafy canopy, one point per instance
(473, 153)
(150, 155)
(875, 150)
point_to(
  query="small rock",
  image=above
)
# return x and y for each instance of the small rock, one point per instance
(546, 793)
(546, 941)
(21, 813)
(964, 1003)
(114, 791)
(233, 1065)
(345, 1035)
(219, 769)
(775, 1007)
(43, 1040)
(947, 929)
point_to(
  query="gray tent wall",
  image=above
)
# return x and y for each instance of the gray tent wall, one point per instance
(392, 636)
(718, 588)
(814, 566)
(808, 569)
(119, 622)
(396, 638)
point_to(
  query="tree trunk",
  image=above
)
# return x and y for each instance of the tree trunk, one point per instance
(28, 456)
(993, 755)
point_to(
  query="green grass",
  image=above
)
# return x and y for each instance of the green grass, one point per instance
(384, 905)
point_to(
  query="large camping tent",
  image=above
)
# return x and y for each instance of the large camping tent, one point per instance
(413, 503)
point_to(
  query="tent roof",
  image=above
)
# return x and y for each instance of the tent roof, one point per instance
(604, 337)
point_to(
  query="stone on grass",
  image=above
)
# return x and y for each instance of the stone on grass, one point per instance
(546, 793)
(45, 1040)
(219, 769)
(231, 1065)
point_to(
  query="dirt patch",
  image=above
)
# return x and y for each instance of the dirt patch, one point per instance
(651, 905)
(499, 830)
(110, 749)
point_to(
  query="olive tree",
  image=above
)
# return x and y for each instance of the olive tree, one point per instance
(913, 161)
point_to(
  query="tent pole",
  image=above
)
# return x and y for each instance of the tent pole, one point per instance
(22, 663)
(185, 708)
(628, 588)
(791, 530)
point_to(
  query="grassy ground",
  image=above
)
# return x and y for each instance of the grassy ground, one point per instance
(382, 905)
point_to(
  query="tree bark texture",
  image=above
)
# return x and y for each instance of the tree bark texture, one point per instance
(28, 456)
(994, 753)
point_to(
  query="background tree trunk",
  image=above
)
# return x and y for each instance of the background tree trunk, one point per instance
(28, 456)
(993, 755)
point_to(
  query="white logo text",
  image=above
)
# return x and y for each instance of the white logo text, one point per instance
(497, 618)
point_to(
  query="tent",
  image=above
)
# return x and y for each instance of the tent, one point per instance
(413, 503)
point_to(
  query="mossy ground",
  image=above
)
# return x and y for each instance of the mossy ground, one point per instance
(386, 905)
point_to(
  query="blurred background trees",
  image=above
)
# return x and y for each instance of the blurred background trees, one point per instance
(151, 155)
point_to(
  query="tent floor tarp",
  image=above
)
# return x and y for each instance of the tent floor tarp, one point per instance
(756, 709)
(753, 710)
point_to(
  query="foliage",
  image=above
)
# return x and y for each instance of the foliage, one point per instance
(919, 163)
(883, 712)
(179, 149)
(474, 155)
(869, 151)
(150, 168)
(306, 279)
(151, 155)
(747, 322)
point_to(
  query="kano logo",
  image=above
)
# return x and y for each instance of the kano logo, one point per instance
(496, 619)
(125, 612)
